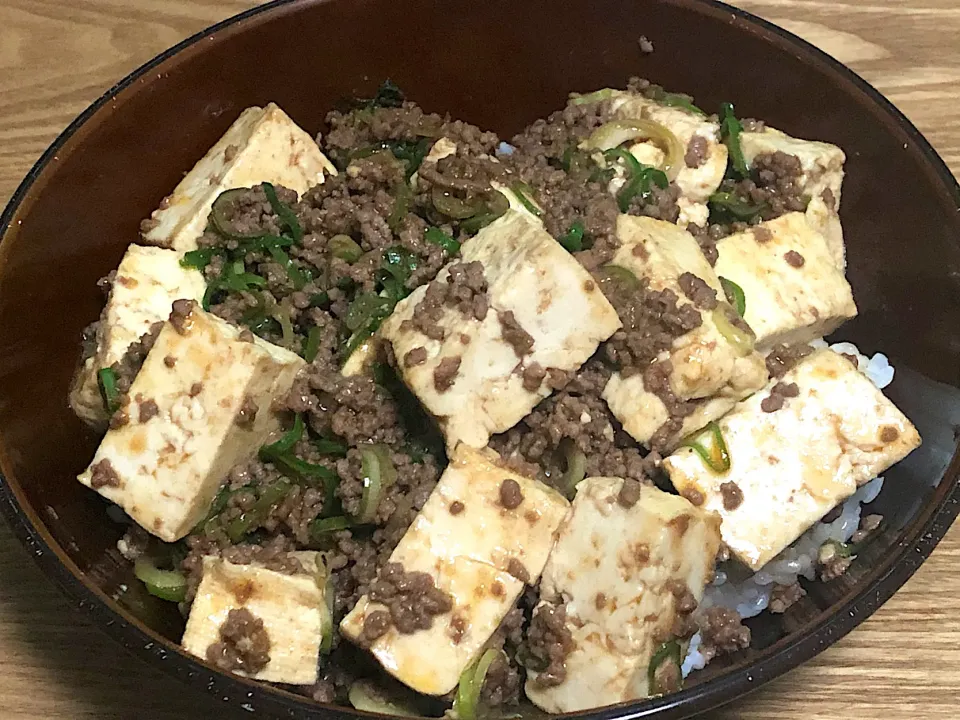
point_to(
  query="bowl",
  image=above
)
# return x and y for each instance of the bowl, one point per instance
(499, 65)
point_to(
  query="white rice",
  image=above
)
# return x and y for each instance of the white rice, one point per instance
(733, 587)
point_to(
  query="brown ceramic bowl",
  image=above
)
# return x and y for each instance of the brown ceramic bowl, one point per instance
(499, 64)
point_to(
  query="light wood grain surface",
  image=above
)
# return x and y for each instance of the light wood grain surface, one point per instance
(56, 56)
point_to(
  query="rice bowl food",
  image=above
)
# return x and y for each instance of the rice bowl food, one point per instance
(414, 419)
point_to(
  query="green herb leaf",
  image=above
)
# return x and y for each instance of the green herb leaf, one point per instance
(312, 344)
(726, 206)
(678, 100)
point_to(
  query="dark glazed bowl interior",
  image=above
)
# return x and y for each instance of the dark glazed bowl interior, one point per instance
(498, 64)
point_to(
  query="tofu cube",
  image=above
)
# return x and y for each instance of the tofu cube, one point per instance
(291, 608)
(794, 291)
(553, 300)
(643, 414)
(183, 434)
(262, 145)
(659, 252)
(821, 171)
(789, 467)
(617, 569)
(148, 280)
(474, 548)
(697, 183)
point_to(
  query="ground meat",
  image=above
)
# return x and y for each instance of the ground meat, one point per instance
(762, 235)
(889, 434)
(794, 259)
(868, 526)
(707, 237)
(414, 357)
(510, 494)
(518, 570)
(778, 396)
(243, 644)
(652, 320)
(247, 413)
(533, 377)
(667, 677)
(103, 474)
(501, 685)
(832, 563)
(783, 358)
(697, 291)
(783, 597)
(629, 493)
(456, 507)
(576, 414)
(375, 625)
(464, 288)
(548, 643)
(698, 149)
(722, 632)
(446, 372)
(127, 367)
(732, 495)
(514, 335)
(148, 409)
(180, 315)
(412, 598)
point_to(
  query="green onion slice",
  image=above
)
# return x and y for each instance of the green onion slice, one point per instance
(615, 133)
(733, 330)
(576, 467)
(311, 346)
(667, 652)
(734, 295)
(525, 195)
(345, 248)
(619, 274)
(107, 379)
(710, 446)
(372, 484)
(363, 696)
(253, 518)
(450, 205)
(726, 203)
(677, 100)
(439, 237)
(467, 700)
(593, 97)
(218, 215)
(199, 258)
(572, 240)
(287, 441)
(288, 218)
(168, 585)
(730, 130)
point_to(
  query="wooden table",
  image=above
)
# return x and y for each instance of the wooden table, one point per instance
(56, 56)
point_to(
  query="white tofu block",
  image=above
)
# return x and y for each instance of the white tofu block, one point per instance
(165, 471)
(148, 280)
(785, 303)
(788, 468)
(290, 606)
(642, 413)
(660, 252)
(822, 170)
(613, 568)
(470, 553)
(696, 184)
(551, 296)
(263, 145)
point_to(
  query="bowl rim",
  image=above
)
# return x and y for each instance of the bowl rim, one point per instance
(913, 547)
